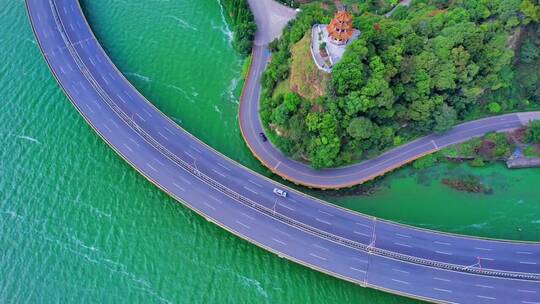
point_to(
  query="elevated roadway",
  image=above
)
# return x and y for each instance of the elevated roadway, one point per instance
(270, 17)
(364, 250)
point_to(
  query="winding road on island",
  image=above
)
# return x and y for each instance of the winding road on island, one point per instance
(368, 251)
(271, 17)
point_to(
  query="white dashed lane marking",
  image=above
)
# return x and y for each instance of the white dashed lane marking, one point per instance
(323, 221)
(224, 167)
(250, 190)
(279, 241)
(486, 297)
(128, 147)
(242, 224)
(254, 183)
(443, 290)
(403, 245)
(218, 173)
(361, 233)
(403, 235)
(442, 243)
(356, 269)
(317, 256)
(286, 207)
(400, 271)
(209, 206)
(325, 213)
(441, 279)
(178, 186)
(151, 167)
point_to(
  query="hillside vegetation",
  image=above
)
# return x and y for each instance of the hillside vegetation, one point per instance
(243, 24)
(425, 69)
(374, 6)
(306, 79)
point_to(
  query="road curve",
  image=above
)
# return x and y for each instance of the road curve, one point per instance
(361, 249)
(269, 17)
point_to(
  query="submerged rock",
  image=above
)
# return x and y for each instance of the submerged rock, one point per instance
(470, 184)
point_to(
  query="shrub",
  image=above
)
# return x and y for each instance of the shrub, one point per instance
(494, 107)
(478, 162)
(533, 132)
(426, 162)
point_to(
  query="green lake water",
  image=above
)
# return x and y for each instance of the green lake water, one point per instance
(78, 225)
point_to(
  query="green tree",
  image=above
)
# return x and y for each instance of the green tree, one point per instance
(529, 52)
(533, 132)
(425, 162)
(292, 101)
(530, 10)
(360, 128)
(243, 24)
(478, 162)
(494, 107)
(445, 118)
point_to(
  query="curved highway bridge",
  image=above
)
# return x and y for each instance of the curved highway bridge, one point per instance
(373, 253)
(270, 18)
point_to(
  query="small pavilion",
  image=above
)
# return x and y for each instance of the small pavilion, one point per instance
(328, 42)
(340, 30)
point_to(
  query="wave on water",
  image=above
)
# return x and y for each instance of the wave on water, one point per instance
(12, 214)
(185, 94)
(122, 269)
(22, 38)
(183, 23)
(225, 28)
(479, 225)
(98, 257)
(194, 93)
(233, 85)
(28, 138)
(177, 120)
(535, 222)
(82, 244)
(141, 77)
(253, 283)
(246, 281)
(99, 212)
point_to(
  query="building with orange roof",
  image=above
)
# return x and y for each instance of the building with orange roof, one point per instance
(341, 30)
(329, 41)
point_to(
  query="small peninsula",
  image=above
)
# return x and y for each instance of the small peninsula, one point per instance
(414, 69)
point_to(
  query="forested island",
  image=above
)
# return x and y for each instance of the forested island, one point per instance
(421, 70)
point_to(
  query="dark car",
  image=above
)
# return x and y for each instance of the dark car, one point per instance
(262, 136)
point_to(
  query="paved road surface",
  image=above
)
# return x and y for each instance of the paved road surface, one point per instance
(265, 12)
(370, 252)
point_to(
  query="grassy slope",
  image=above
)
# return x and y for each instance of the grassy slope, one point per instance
(305, 78)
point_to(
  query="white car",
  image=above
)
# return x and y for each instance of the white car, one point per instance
(280, 192)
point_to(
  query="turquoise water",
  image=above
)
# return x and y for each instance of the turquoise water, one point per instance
(419, 198)
(77, 224)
